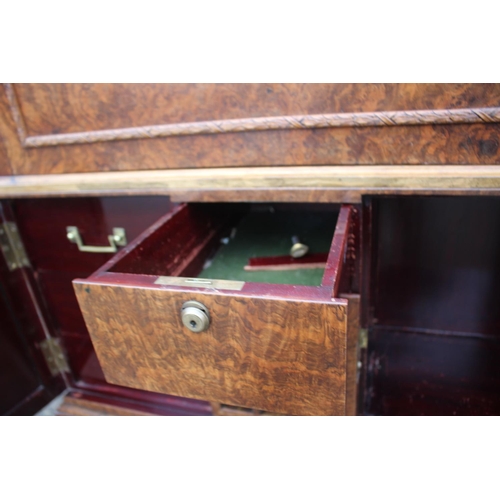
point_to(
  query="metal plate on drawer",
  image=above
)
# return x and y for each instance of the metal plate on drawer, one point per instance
(200, 283)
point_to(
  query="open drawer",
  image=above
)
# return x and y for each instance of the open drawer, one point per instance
(175, 312)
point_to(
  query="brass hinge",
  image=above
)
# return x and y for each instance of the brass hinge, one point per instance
(54, 356)
(363, 338)
(362, 344)
(12, 246)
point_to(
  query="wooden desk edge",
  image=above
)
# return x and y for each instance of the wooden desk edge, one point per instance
(326, 184)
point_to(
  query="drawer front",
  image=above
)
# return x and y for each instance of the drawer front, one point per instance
(285, 356)
(280, 348)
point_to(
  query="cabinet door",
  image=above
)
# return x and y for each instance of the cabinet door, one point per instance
(26, 384)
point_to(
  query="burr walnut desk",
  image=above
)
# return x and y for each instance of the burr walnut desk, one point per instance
(129, 211)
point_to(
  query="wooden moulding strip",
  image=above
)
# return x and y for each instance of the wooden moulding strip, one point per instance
(325, 184)
(251, 124)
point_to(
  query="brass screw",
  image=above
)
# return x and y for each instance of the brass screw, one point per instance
(298, 248)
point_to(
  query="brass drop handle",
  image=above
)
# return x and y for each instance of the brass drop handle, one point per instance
(117, 239)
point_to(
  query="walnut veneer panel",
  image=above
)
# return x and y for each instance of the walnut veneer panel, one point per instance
(63, 108)
(9, 139)
(50, 110)
(4, 160)
(259, 352)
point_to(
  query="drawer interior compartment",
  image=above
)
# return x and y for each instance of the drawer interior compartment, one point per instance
(216, 242)
(275, 340)
(268, 231)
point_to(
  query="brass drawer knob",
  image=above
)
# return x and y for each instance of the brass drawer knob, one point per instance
(298, 248)
(195, 316)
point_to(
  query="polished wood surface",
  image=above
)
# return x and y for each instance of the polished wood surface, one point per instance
(51, 110)
(275, 355)
(69, 108)
(352, 352)
(254, 124)
(11, 149)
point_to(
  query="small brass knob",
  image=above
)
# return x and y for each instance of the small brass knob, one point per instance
(195, 316)
(298, 248)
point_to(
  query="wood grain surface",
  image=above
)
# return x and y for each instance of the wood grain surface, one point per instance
(5, 168)
(252, 124)
(264, 123)
(10, 144)
(281, 356)
(352, 352)
(93, 112)
(68, 108)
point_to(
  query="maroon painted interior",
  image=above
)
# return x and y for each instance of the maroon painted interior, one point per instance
(178, 239)
(26, 385)
(412, 373)
(433, 272)
(56, 262)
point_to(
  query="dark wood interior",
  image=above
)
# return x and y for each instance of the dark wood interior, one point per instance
(433, 315)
